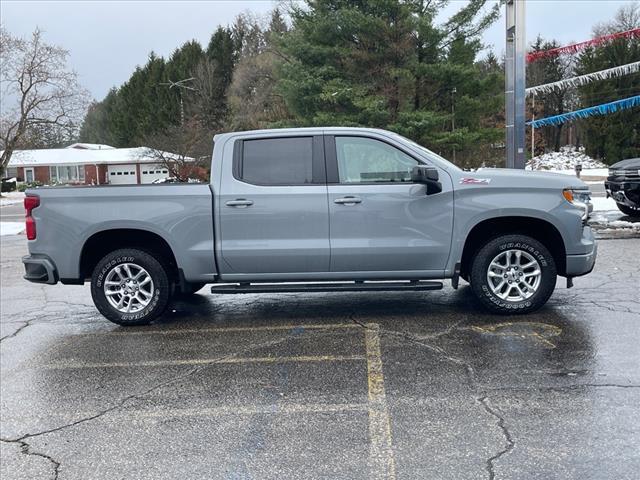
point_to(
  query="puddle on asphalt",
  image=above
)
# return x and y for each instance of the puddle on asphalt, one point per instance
(539, 333)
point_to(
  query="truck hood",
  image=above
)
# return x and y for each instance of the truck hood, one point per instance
(513, 178)
(628, 164)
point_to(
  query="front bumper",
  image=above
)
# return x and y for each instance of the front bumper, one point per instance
(582, 264)
(625, 192)
(40, 269)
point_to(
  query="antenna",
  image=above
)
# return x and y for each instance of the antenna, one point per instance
(180, 85)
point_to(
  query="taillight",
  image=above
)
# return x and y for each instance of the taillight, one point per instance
(31, 202)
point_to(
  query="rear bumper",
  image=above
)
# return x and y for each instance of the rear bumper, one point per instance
(582, 264)
(40, 269)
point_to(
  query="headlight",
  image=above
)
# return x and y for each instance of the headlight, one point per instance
(580, 198)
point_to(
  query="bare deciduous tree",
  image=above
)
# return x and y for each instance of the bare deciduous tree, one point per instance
(37, 90)
(627, 18)
(184, 150)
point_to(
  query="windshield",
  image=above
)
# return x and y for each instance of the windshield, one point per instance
(427, 153)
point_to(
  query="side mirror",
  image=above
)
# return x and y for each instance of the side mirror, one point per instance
(428, 176)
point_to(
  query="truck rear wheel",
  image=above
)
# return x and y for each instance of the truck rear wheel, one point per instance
(513, 274)
(130, 287)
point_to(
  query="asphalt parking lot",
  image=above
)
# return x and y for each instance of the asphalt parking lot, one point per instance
(345, 385)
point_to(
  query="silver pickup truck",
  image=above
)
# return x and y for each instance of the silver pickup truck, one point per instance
(314, 210)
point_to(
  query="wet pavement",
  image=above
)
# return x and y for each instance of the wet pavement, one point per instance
(346, 385)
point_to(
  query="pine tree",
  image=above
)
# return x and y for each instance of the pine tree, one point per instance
(387, 64)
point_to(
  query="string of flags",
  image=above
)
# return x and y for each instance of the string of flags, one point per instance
(585, 79)
(604, 109)
(576, 47)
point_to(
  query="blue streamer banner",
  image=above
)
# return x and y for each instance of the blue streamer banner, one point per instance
(604, 109)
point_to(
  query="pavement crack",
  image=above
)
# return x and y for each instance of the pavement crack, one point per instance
(25, 449)
(420, 340)
(18, 330)
(509, 441)
(105, 411)
(139, 396)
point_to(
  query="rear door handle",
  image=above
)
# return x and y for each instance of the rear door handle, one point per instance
(348, 200)
(240, 202)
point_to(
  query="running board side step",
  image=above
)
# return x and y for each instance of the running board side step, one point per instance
(417, 285)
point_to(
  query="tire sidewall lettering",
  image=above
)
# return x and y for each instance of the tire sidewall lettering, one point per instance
(109, 266)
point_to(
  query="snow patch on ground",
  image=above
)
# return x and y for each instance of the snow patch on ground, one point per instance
(601, 204)
(609, 222)
(11, 198)
(11, 228)
(565, 161)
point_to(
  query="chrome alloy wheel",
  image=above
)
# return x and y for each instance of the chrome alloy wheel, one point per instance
(128, 288)
(514, 275)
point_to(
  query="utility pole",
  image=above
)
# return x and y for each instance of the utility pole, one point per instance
(180, 85)
(515, 83)
(453, 117)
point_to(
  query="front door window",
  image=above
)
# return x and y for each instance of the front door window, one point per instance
(365, 160)
(28, 175)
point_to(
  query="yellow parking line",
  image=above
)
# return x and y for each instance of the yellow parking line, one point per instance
(380, 450)
(254, 410)
(176, 331)
(204, 361)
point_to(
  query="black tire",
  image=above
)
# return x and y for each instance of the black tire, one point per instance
(190, 288)
(160, 295)
(627, 210)
(493, 248)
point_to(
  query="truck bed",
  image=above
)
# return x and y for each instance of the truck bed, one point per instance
(180, 214)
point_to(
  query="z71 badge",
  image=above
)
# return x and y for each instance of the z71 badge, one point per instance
(475, 181)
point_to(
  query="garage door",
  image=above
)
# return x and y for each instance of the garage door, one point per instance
(149, 173)
(122, 174)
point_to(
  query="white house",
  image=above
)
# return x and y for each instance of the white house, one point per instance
(88, 164)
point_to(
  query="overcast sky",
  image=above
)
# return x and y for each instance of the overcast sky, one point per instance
(107, 39)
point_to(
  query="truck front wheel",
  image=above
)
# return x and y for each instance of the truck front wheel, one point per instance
(513, 274)
(630, 211)
(130, 287)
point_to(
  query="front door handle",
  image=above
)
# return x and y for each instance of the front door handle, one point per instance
(240, 202)
(348, 200)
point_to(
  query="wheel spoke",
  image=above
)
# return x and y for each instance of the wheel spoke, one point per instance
(496, 265)
(145, 293)
(127, 270)
(113, 292)
(142, 301)
(118, 271)
(121, 302)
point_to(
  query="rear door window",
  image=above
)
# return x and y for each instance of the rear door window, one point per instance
(277, 161)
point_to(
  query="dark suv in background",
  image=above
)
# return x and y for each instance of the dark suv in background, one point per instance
(623, 185)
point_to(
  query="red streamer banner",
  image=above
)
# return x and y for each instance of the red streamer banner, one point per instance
(576, 47)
